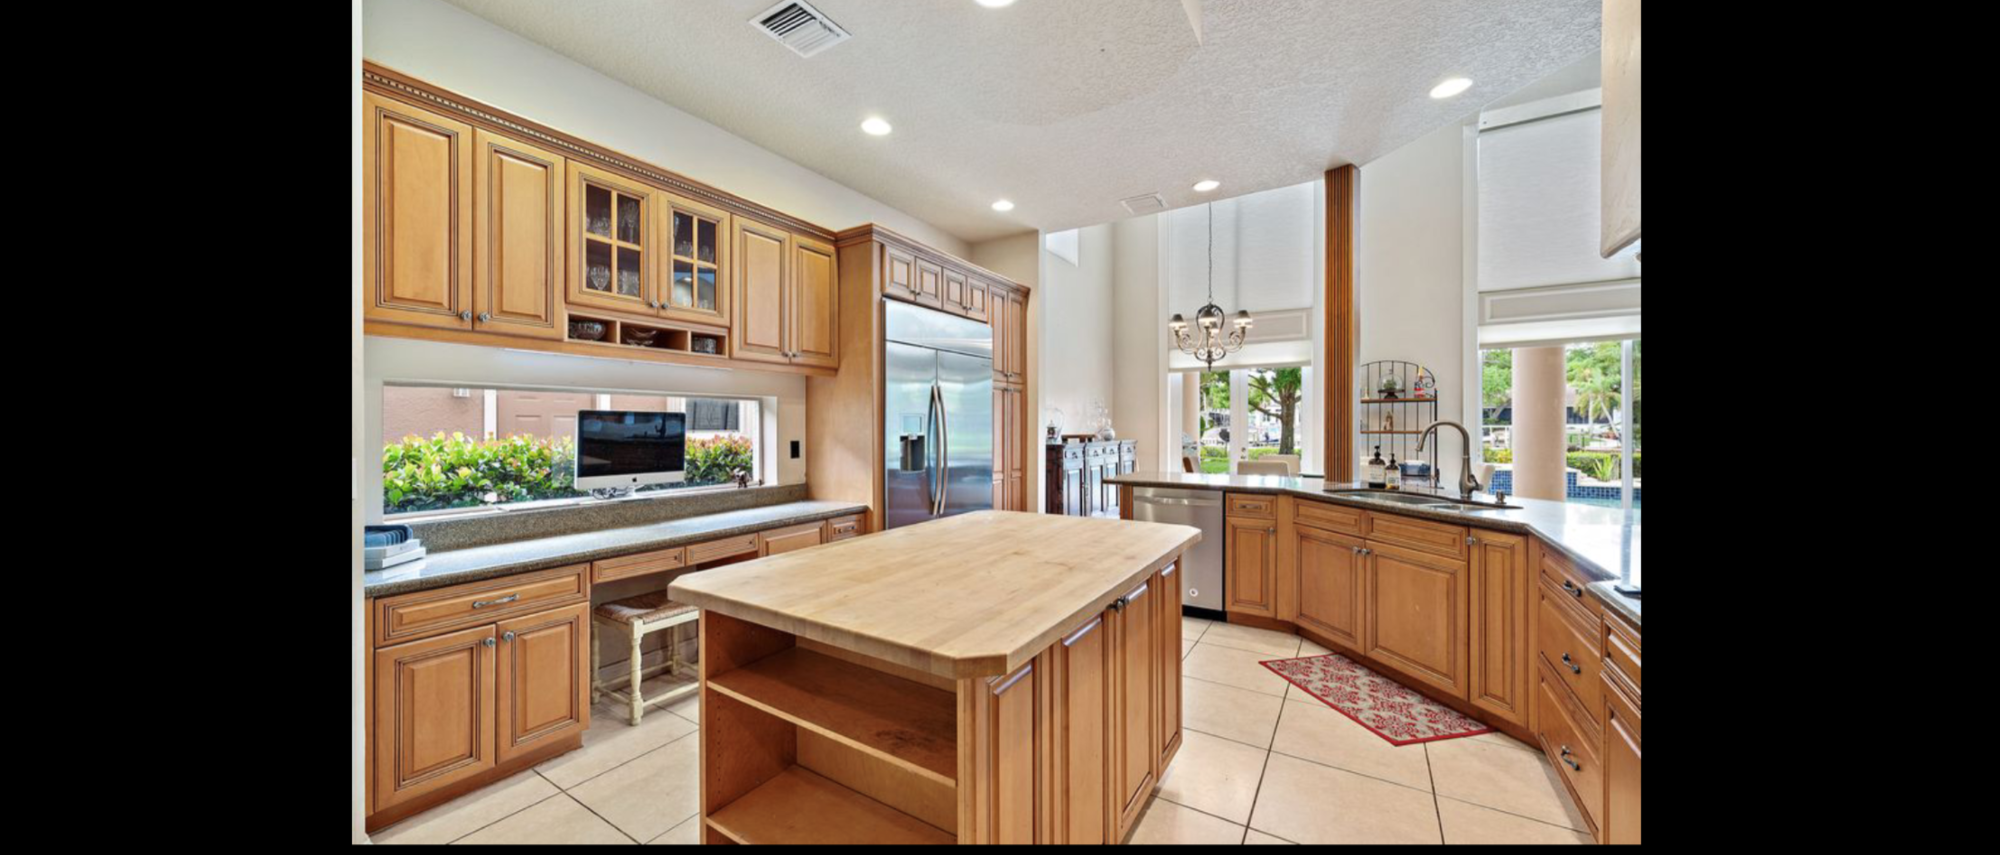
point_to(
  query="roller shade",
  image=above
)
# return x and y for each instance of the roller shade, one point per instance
(1265, 244)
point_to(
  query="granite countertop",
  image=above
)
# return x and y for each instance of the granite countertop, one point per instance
(1604, 543)
(477, 564)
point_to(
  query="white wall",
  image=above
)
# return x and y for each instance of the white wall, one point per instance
(357, 814)
(392, 360)
(1140, 397)
(447, 46)
(1410, 270)
(1077, 368)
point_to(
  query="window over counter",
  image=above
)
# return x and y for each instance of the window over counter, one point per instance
(1271, 404)
(1601, 457)
(450, 449)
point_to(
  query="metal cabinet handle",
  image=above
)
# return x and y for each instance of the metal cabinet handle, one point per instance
(1573, 590)
(488, 642)
(1572, 764)
(1471, 541)
(1573, 667)
(509, 637)
(1119, 604)
(465, 315)
(485, 317)
(499, 602)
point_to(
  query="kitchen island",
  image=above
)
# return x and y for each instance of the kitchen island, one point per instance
(992, 678)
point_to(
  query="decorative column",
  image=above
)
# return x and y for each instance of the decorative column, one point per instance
(1540, 447)
(1190, 416)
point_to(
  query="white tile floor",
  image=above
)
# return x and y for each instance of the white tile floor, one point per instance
(1261, 764)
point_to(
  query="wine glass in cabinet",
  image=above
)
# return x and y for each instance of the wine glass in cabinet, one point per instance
(694, 251)
(609, 222)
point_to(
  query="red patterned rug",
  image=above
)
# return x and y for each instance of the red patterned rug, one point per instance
(1378, 703)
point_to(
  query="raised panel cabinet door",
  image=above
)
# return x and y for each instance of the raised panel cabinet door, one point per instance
(1135, 719)
(955, 296)
(1000, 434)
(434, 714)
(1017, 336)
(1014, 444)
(543, 679)
(1250, 551)
(815, 304)
(1167, 587)
(1503, 598)
(613, 262)
(1416, 616)
(930, 284)
(1621, 769)
(975, 301)
(694, 262)
(899, 274)
(791, 540)
(1330, 583)
(1001, 333)
(416, 216)
(1007, 727)
(517, 259)
(761, 293)
(1082, 733)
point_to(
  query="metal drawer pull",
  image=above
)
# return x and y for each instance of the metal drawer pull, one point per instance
(1573, 590)
(499, 602)
(1572, 764)
(1120, 604)
(487, 642)
(1573, 667)
(509, 637)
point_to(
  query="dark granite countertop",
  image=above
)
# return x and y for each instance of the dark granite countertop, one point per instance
(1604, 543)
(477, 564)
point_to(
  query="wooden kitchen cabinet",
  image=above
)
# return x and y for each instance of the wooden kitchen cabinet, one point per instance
(1415, 616)
(1329, 583)
(1622, 810)
(417, 225)
(543, 679)
(1503, 586)
(787, 298)
(930, 283)
(1083, 732)
(518, 252)
(1010, 720)
(791, 539)
(1136, 749)
(1250, 557)
(435, 718)
(694, 247)
(1167, 587)
(611, 235)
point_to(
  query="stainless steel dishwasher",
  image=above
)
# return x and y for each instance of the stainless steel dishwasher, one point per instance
(1202, 509)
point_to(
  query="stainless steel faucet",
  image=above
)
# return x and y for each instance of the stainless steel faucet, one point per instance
(1467, 484)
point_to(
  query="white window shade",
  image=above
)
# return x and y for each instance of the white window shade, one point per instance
(1265, 245)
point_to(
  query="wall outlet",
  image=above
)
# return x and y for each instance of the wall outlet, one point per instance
(795, 449)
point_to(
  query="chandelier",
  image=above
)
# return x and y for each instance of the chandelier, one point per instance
(1209, 343)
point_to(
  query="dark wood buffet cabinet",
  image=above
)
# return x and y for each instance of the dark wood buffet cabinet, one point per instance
(1075, 476)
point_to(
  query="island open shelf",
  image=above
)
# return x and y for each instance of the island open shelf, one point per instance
(802, 808)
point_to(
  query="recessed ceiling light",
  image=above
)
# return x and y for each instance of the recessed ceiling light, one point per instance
(1003, 206)
(876, 127)
(1451, 86)
(1206, 186)
(996, 4)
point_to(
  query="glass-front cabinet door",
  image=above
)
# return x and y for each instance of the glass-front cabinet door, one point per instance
(609, 219)
(696, 253)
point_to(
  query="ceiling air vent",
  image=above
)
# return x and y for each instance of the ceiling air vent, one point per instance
(1152, 203)
(800, 27)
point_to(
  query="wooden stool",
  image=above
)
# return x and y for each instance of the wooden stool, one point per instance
(641, 616)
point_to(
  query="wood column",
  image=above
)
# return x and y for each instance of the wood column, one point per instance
(1343, 327)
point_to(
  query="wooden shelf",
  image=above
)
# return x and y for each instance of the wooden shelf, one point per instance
(801, 808)
(908, 724)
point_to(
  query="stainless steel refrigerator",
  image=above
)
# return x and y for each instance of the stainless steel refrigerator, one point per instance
(939, 419)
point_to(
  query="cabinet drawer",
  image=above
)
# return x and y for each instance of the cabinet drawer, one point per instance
(1569, 647)
(1421, 535)
(1261, 507)
(1621, 651)
(843, 528)
(414, 616)
(716, 550)
(1558, 572)
(792, 539)
(1330, 517)
(644, 564)
(1567, 748)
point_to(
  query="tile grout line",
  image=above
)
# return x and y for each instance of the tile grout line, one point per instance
(545, 799)
(1513, 814)
(600, 818)
(1437, 806)
(1268, 751)
(642, 755)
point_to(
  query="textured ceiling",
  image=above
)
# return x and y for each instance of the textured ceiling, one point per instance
(1068, 106)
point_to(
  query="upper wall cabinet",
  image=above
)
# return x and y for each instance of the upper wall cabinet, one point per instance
(609, 221)
(696, 251)
(417, 219)
(787, 297)
(518, 251)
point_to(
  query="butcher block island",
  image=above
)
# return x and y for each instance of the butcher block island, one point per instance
(997, 678)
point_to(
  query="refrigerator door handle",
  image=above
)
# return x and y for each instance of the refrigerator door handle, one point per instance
(944, 443)
(930, 470)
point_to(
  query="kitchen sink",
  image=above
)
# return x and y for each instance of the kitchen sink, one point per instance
(1421, 501)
